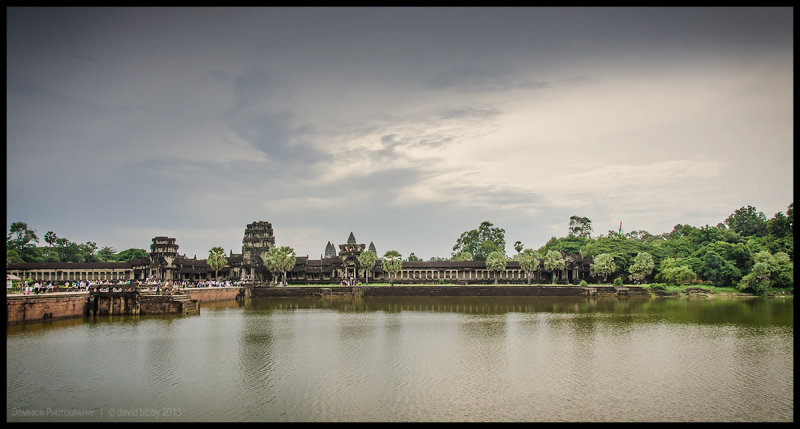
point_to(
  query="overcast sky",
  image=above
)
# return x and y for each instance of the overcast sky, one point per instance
(404, 126)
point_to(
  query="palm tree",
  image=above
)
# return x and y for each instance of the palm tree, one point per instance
(280, 259)
(367, 260)
(392, 263)
(553, 262)
(496, 261)
(529, 262)
(216, 260)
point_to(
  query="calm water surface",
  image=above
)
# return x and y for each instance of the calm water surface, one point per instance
(413, 359)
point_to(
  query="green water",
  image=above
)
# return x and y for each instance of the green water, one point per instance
(413, 359)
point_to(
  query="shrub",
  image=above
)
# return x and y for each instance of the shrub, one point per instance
(618, 281)
(583, 283)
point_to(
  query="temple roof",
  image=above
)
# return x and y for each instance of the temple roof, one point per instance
(351, 239)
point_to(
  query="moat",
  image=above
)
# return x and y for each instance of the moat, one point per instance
(345, 358)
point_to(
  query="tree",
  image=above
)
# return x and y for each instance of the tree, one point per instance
(579, 227)
(757, 280)
(462, 256)
(392, 263)
(106, 254)
(87, 251)
(769, 271)
(496, 262)
(481, 241)
(367, 259)
(518, 246)
(778, 226)
(412, 257)
(271, 260)
(746, 221)
(12, 256)
(20, 236)
(676, 271)
(718, 270)
(279, 260)
(216, 260)
(553, 262)
(529, 262)
(50, 238)
(130, 254)
(603, 266)
(286, 260)
(642, 266)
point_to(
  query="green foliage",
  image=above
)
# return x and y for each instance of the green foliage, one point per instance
(579, 227)
(622, 249)
(216, 260)
(106, 254)
(584, 284)
(20, 236)
(130, 254)
(279, 260)
(618, 281)
(12, 256)
(553, 263)
(642, 267)
(719, 271)
(482, 241)
(746, 221)
(768, 271)
(677, 274)
(603, 266)
(367, 260)
(392, 263)
(496, 262)
(529, 262)
(412, 257)
(569, 245)
(462, 256)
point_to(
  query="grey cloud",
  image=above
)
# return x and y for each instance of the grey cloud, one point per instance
(471, 113)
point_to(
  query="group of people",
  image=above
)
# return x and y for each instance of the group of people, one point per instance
(348, 281)
(84, 285)
(37, 288)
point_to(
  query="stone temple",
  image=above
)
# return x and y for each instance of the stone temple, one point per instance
(166, 264)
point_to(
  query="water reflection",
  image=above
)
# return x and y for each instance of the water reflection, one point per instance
(718, 310)
(420, 359)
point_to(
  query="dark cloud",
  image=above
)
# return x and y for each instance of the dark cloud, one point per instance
(157, 117)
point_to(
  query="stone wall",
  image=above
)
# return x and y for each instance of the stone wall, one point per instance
(36, 308)
(213, 293)
(474, 290)
(162, 304)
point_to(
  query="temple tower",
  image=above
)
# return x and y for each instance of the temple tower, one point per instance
(258, 238)
(349, 255)
(163, 251)
(330, 251)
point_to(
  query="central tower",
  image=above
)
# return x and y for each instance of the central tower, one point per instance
(349, 254)
(258, 238)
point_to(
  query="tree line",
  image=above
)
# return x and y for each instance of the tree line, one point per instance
(22, 246)
(746, 250)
